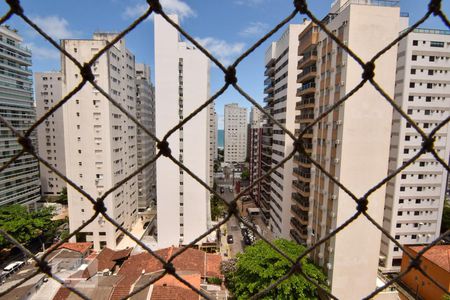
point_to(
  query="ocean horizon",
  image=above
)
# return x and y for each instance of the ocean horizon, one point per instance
(220, 138)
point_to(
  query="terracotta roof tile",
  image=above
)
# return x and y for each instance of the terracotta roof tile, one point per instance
(171, 292)
(439, 255)
(213, 262)
(78, 247)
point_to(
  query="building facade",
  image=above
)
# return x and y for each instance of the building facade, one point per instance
(48, 87)
(19, 182)
(352, 139)
(235, 133)
(307, 51)
(281, 89)
(255, 148)
(182, 85)
(100, 141)
(146, 146)
(415, 198)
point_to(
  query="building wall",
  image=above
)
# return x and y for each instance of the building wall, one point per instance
(415, 198)
(351, 140)
(19, 183)
(182, 85)
(146, 146)
(100, 141)
(420, 284)
(50, 133)
(283, 86)
(235, 133)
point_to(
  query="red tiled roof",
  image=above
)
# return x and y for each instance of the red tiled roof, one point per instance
(191, 260)
(62, 294)
(439, 255)
(213, 262)
(173, 292)
(78, 247)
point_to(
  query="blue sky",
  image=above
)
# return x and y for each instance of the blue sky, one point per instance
(226, 27)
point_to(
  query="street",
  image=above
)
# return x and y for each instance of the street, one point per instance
(232, 225)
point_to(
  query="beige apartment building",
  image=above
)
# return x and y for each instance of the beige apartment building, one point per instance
(352, 142)
(307, 52)
(182, 85)
(281, 88)
(235, 133)
(48, 86)
(100, 141)
(415, 198)
(146, 145)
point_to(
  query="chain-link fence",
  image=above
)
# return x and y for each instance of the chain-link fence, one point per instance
(230, 80)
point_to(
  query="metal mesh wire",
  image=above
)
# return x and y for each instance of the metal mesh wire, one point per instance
(230, 80)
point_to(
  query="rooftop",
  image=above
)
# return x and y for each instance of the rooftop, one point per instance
(78, 247)
(439, 255)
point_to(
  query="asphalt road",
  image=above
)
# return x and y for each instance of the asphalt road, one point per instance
(232, 226)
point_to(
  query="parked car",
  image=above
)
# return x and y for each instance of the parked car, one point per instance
(11, 268)
(230, 239)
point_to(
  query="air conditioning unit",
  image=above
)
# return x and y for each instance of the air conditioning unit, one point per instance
(334, 196)
(333, 215)
(329, 266)
(342, 82)
(336, 160)
(330, 249)
(338, 142)
(339, 122)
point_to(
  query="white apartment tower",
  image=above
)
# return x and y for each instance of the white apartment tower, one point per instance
(351, 143)
(48, 86)
(146, 146)
(100, 141)
(19, 182)
(235, 133)
(182, 85)
(415, 198)
(281, 89)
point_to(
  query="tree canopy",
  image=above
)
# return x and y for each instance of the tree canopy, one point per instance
(26, 225)
(445, 218)
(259, 266)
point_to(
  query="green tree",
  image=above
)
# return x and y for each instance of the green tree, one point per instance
(217, 207)
(26, 225)
(62, 198)
(259, 266)
(445, 218)
(245, 175)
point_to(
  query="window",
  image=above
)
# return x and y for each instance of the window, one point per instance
(405, 151)
(407, 138)
(416, 213)
(428, 99)
(413, 71)
(411, 98)
(401, 201)
(409, 111)
(431, 58)
(414, 57)
(396, 262)
(399, 213)
(404, 175)
(415, 42)
(437, 44)
(429, 85)
(412, 84)
(430, 72)
(398, 225)
(413, 236)
(397, 237)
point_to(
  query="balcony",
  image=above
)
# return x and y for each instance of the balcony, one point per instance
(307, 74)
(268, 89)
(297, 237)
(309, 58)
(301, 200)
(304, 117)
(307, 88)
(270, 70)
(304, 175)
(305, 103)
(302, 188)
(301, 216)
(298, 226)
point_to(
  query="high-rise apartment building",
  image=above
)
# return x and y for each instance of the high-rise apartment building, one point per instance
(352, 142)
(255, 144)
(100, 141)
(182, 85)
(48, 86)
(307, 52)
(415, 198)
(19, 183)
(281, 89)
(215, 136)
(235, 133)
(146, 146)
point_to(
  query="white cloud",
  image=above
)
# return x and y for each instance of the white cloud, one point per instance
(254, 28)
(170, 7)
(221, 49)
(249, 2)
(43, 53)
(56, 27)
